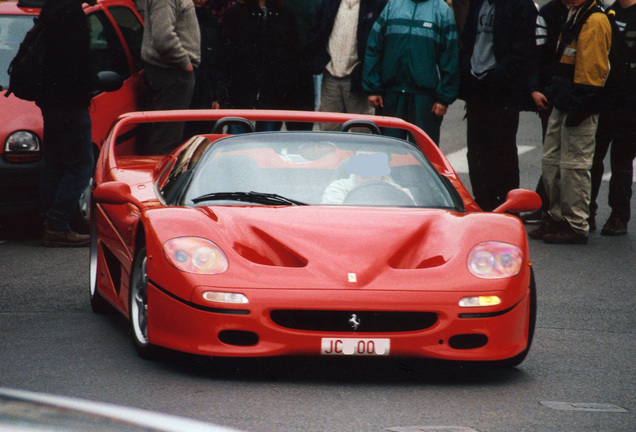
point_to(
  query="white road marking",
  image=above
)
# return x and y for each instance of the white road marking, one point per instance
(460, 164)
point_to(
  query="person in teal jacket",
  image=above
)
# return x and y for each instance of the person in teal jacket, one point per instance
(411, 68)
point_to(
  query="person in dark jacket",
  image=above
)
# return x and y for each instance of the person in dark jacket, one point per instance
(617, 123)
(336, 47)
(67, 153)
(260, 45)
(497, 46)
(208, 90)
(302, 96)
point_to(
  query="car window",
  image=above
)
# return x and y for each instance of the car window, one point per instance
(318, 169)
(12, 31)
(183, 168)
(107, 51)
(132, 29)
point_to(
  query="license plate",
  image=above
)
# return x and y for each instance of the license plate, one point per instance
(355, 346)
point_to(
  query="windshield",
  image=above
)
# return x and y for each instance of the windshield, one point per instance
(311, 168)
(12, 31)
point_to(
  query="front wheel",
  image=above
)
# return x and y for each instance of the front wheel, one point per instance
(99, 304)
(532, 321)
(138, 307)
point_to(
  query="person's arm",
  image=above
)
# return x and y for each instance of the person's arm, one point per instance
(372, 73)
(165, 40)
(448, 65)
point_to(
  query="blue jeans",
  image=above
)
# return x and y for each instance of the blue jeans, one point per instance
(67, 164)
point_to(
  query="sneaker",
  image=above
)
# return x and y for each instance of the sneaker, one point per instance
(548, 226)
(534, 218)
(68, 238)
(566, 235)
(614, 226)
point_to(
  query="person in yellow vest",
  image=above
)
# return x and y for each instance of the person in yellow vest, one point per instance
(568, 150)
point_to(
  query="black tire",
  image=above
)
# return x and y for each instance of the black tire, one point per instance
(80, 221)
(532, 322)
(138, 307)
(99, 304)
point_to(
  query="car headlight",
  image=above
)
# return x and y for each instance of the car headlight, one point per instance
(495, 260)
(195, 255)
(22, 146)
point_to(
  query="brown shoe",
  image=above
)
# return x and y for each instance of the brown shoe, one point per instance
(54, 238)
(548, 226)
(614, 226)
(566, 235)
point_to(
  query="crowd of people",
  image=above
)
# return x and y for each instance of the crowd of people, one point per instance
(572, 61)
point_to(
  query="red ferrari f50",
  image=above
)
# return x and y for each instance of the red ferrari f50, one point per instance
(307, 243)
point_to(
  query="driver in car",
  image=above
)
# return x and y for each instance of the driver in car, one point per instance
(362, 167)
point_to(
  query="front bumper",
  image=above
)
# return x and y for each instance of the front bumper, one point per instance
(496, 333)
(19, 187)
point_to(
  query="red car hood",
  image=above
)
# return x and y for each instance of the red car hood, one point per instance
(323, 247)
(18, 114)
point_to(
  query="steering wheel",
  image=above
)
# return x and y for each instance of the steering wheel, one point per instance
(377, 192)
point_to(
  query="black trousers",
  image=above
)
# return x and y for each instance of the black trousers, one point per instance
(165, 89)
(493, 163)
(617, 128)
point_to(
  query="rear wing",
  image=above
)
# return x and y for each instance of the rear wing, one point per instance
(420, 138)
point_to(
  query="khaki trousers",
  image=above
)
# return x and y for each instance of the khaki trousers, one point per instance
(336, 96)
(567, 159)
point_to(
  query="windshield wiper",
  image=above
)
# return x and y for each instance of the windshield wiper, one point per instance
(252, 197)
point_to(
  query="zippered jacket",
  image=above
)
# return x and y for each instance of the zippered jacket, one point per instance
(261, 51)
(413, 48)
(514, 44)
(583, 66)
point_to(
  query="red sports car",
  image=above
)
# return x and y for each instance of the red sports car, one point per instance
(307, 243)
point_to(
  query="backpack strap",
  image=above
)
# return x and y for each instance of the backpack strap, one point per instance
(572, 28)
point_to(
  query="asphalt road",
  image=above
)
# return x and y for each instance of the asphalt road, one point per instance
(579, 375)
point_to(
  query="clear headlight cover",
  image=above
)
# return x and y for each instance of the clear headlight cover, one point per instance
(495, 260)
(195, 255)
(21, 142)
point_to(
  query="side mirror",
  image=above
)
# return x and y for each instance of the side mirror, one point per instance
(115, 193)
(109, 81)
(520, 201)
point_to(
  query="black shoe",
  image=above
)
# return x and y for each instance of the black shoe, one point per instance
(68, 238)
(614, 226)
(566, 235)
(548, 226)
(534, 218)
